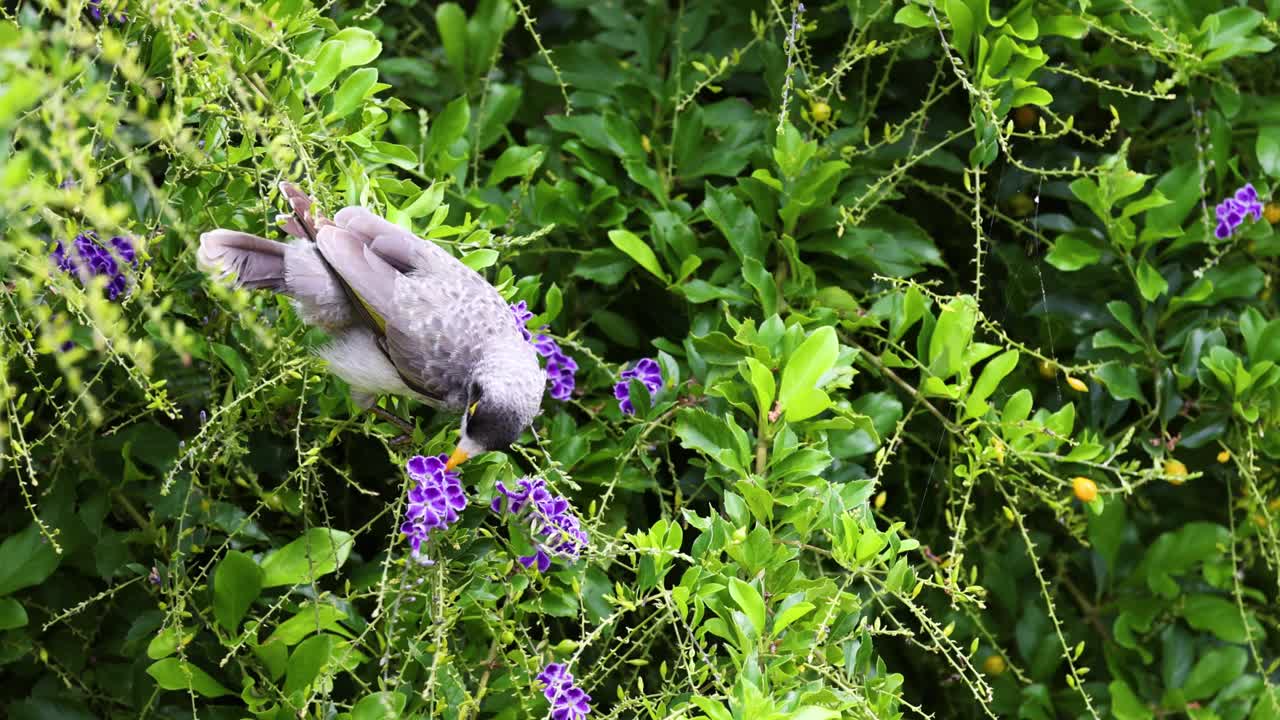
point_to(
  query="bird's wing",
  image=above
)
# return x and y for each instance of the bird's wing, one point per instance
(394, 244)
(372, 283)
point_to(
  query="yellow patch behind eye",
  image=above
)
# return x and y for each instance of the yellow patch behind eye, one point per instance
(472, 409)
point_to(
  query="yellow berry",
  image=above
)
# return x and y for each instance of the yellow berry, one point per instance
(1176, 470)
(821, 111)
(993, 665)
(644, 143)
(1274, 504)
(998, 448)
(1077, 384)
(1048, 370)
(881, 499)
(1272, 213)
(1084, 488)
(1025, 117)
(1224, 456)
(1260, 520)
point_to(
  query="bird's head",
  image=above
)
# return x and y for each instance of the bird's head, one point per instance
(502, 400)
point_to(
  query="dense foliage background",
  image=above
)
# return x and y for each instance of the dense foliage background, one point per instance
(970, 406)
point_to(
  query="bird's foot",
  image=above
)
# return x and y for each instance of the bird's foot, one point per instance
(404, 425)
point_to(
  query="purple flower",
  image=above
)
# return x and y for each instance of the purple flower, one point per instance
(1232, 211)
(434, 501)
(568, 701)
(555, 530)
(561, 368)
(523, 315)
(95, 259)
(646, 371)
(125, 249)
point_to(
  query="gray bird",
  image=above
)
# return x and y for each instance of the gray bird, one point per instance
(406, 317)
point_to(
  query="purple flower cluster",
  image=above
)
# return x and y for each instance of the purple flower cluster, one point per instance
(1233, 210)
(561, 369)
(555, 529)
(95, 12)
(646, 371)
(98, 260)
(434, 501)
(568, 701)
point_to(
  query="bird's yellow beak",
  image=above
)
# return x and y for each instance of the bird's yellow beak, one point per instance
(458, 457)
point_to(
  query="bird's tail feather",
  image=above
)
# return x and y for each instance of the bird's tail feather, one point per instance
(256, 262)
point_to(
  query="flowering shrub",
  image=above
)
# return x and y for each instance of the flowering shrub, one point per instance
(959, 392)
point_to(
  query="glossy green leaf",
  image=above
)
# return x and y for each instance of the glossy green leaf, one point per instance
(798, 393)
(236, 584)
(177, 674)
(637, 250)
(992, 373)
(318, 552)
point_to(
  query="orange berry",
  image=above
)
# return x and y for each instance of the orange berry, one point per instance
(1272, 213)
(1077, 384)
(1084, 488)
(1224, 456)
(994, 665)
(1176, 470)
(821, 111)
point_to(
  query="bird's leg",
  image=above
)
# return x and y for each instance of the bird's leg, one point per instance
(396, 420)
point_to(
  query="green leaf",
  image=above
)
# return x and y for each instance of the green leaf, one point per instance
(961, 18)
(177, 674)
(1074, 250)
(762, 383)
(790, 615)
(319, 552)
(12, 614)
(1214, 670)
(385, 705)
(1121, 380)
(701, 431)
(1150, 282)
(352, 92)
(1218, 615)
(312, 617)
(359, 46)
(799, 394)
(326, 67)
(308, 660)
(515, 161)
(951, 336)
(870, 544)
(736, 221)
(638, 250)
(1125, 705)
(1268, 149)
(992, 373)
(26, 559)
(748, 598)
(792, 151)
(451, 23)
(480, 259)
(448, 126)
(236, 584)
(912, 16)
